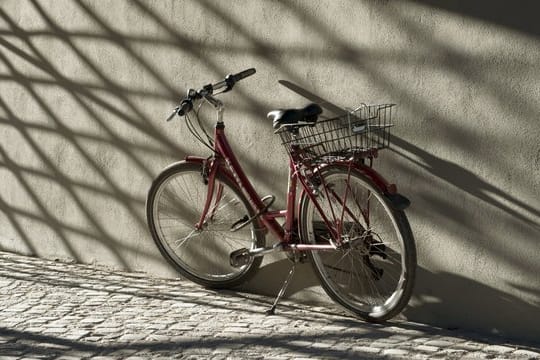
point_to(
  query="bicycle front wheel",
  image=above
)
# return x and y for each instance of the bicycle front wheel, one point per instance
(174, 205)
(371, 272)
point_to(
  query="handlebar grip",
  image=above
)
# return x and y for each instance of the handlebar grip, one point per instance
(243, 74)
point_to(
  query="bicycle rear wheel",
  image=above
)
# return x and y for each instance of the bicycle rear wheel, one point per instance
(372, 273)
(173, 207)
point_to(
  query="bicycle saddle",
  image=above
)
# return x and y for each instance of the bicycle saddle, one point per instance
(295, 117)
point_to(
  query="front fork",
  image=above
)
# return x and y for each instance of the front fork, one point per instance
(208, 173)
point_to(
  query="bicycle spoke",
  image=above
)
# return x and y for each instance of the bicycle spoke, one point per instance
(202, 254)
(366, 272)
(180, 242)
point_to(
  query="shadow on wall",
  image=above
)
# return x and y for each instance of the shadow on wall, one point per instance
(86, 98)
(84, 182)
(459, 300)
(119, 127)
(522, 18)
(464, 303)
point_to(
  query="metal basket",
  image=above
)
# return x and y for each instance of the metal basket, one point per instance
(358, 132)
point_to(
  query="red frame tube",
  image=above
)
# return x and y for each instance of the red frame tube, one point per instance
(234, 172)
(223, 148)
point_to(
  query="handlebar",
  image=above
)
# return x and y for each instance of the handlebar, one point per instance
(186, 105)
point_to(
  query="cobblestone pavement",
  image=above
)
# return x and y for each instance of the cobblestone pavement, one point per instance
(53, 310)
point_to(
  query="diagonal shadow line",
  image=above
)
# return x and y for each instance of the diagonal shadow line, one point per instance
(67, 40)
(465, 180)
(6, 209)
(48, 110)
(450, 172)
(121, 196)
(198, 52)
(254, 106)
(147, 149)
(14, 212)
(419, 105)
(521, 18)
(285, 342)
(67, 186)
(85, 186)
(457, 63)
(171, 289)
(89, 86)
(52, 222)
(69, 135)
(75, 88)
(115, 37)
(136, 286)
(261, 49)
(393, 56)
(350, 54)
(98, 284)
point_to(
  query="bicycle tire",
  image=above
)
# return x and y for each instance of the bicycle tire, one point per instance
(372, 281)
(174, 205)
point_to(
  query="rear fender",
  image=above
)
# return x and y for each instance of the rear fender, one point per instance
(396, 200)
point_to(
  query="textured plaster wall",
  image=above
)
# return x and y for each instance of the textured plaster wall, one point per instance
(85, 87)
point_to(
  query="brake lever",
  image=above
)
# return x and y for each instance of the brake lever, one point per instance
(175, 111)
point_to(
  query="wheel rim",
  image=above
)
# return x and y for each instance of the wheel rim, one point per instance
(203, 254)
(352, 273)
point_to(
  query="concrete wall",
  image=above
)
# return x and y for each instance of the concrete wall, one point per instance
(85, 87)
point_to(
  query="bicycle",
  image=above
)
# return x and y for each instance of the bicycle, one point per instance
(209, 222)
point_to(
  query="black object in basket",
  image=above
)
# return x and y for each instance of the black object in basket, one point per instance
(359, 131)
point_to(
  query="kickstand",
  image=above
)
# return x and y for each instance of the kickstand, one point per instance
(272, 310)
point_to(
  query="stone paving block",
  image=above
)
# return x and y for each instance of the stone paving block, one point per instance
(477, 355)
(367, 349)
(75, 334)
(395, 352)
(499, 349)
(426, 348)
(131, 337)
(54, 330)
(469, 346)
(527, 353)
(439, 343)
(104, 312)
(382, 344)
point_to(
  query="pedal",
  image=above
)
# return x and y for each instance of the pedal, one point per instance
(240, 257)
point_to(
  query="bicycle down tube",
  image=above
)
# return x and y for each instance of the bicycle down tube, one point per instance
(268, 218)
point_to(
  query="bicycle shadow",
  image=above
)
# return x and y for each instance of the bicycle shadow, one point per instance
(450, 172)
(476, 307)
(271, 275)
(436, 292)
(459, 302)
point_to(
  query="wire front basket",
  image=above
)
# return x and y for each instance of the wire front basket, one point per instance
(359, 132)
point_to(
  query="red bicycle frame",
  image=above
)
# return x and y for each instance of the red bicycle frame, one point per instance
(225, 162)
